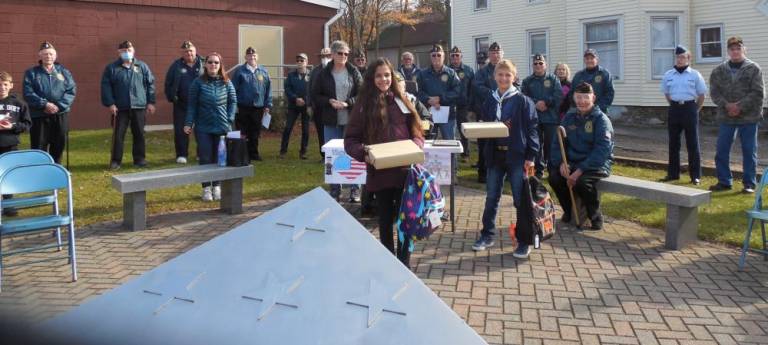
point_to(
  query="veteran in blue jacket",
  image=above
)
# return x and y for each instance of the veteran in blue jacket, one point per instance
(464, 103)
(589, 151)
(182, 72)
(597, 76)
(482, 85)
(545, 91)
(440, 87)
(128, 90)
(254, 99)
(211, 113)
(49, 91)
(295, 93)
(507, 158)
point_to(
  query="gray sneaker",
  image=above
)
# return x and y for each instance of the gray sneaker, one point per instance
(483, 243)
(522, 251)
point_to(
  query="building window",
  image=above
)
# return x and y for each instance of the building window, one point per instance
(762, 6)
(664, 39)
(604, 36)
(481, 45)
(480, 5)
(537, 44)
(536, 2)
(709, 39)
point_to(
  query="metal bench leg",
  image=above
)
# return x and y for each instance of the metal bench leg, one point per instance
(682, 226)
(232, 196)
(745, 247)
(135, 211)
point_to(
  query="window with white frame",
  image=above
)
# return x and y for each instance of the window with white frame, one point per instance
(709, 41)
(604, 36)
(537, 44)
(480, 5)
(664, 39)
(481, 45)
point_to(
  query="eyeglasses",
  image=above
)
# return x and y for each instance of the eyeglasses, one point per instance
(213, 62)
(538, 64)
(342, 54)
(436, 55)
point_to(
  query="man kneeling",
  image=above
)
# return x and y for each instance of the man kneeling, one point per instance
(588, 148)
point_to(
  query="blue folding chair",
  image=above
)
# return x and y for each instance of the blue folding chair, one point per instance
(756, 213)
(36, 179)
(26, 157)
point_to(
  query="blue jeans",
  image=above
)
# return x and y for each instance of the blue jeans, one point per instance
(330, 133)
(447, 130)
(496, 174)
(208, 150)
(748, 137)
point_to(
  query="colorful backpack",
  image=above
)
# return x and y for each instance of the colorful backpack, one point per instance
(536, 214)
(421, 207)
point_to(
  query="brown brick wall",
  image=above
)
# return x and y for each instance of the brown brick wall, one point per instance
(86, 34)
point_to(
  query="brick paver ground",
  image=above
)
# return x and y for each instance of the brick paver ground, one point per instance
(617, 286)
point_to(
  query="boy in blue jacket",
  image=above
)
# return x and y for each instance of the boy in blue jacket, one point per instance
(507, 158)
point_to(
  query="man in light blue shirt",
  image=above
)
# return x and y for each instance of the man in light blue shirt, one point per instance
(684, 88)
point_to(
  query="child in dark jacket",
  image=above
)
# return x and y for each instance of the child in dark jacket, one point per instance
(14, 120)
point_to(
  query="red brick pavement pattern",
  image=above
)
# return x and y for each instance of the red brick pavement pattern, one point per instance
(617, 286)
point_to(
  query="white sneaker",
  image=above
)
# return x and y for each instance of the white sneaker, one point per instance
(181, 160)
(207, 194)
(216, 192)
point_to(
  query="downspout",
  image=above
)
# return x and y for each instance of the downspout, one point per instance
(452, 41)
(327, 26)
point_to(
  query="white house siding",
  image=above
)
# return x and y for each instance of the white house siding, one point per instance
(508, 21)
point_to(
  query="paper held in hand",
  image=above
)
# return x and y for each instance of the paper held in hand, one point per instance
(440, 116)
(395, 154)
(265, 120)
(482, 130)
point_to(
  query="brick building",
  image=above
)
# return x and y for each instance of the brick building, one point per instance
(86, 34)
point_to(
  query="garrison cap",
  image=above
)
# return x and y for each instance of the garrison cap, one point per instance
(325, 51)
(591, 51)
(46, 45)
(680, 50)
(125, 45)
(494, 47)
(436, 48)
(539, 57)
(455, 50)
(250, 50)
(187, 45)
(735, 40)
(359, 53)
(303, 56)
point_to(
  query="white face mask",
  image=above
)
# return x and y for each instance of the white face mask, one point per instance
(325, 61)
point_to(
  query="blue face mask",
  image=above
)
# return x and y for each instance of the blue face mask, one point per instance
(126, 56)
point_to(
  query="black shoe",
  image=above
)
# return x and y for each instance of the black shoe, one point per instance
(10, 212)
(669, 178)
(748, 190)
(719, 187)
(597, 222)
(303, 156)
(282, 155)
(142, 164)
(695, 182)
(114, 166)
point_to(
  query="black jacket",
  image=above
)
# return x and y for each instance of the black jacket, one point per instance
(18, 112)
(173, 78)
(324, 88)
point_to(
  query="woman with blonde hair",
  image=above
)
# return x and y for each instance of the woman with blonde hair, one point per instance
(563, 72)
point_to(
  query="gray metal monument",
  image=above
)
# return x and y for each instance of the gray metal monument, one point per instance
(304, 273)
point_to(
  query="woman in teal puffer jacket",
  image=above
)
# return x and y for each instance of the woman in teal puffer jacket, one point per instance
(211, 112)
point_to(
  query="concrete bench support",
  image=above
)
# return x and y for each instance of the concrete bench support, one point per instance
(135, 186)
(682, 205)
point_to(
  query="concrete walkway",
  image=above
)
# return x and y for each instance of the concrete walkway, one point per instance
(617, 286)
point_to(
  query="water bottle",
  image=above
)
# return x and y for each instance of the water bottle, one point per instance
(222, 152)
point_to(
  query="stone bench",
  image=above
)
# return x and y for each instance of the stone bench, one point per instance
(682, 205)
(134, 188)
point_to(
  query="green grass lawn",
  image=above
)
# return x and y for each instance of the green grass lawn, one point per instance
(722, 221)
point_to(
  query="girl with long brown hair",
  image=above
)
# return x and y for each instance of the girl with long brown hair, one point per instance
(382, 113)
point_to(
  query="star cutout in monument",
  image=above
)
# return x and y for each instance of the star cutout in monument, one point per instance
(301, 227)
(379, 300)
(273, 293)
(176, 287)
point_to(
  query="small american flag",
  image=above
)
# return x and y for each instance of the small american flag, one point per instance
(357, 169)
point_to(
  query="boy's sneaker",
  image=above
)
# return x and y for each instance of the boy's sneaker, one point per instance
(216, 192)
(522, 251)
(483, 243)
(207, 194)
(181, 160)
